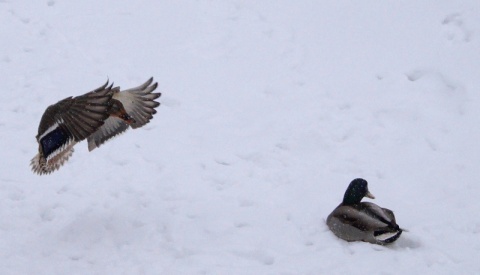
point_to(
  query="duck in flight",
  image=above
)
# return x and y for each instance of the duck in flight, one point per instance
(97, 116)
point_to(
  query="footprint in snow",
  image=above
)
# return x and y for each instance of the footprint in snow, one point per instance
(455, 28)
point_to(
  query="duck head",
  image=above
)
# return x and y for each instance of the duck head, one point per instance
(357, 189)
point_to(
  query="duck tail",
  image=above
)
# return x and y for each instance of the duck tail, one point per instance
(386, 236)
(41, 166)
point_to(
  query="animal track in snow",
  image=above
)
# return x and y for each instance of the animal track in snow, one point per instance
(455, 28)
(438, 77)
(440, 88)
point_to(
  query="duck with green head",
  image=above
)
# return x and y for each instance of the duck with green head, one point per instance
(354, 220)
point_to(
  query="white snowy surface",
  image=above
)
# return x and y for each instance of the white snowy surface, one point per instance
(269, 110)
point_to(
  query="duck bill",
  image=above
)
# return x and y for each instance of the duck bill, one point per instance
(369, 195)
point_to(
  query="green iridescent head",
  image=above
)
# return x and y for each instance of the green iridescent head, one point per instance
(357, 189)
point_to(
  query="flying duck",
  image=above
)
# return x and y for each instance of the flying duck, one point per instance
(353, 220)
(97, 116)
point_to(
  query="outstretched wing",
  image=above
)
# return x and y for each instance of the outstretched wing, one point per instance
(113, 126)
(80, 116)
(65, 123)
(138, 102)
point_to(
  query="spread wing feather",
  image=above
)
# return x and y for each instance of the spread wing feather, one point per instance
(81, 115)
(139, 103)
(113, 126)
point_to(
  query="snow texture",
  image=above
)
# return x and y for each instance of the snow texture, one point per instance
(269, 110)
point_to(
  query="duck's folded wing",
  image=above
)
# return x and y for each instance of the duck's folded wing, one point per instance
(358, 219)
(383, 214)
(112, 127)
(389, 214)
(139, 102)
(81, 115)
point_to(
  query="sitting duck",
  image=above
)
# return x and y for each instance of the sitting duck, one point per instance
(353, 220)
(97, 116)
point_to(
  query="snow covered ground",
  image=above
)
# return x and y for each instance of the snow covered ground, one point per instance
(269, 110)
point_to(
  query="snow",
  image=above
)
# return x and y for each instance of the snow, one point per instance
(269, 109)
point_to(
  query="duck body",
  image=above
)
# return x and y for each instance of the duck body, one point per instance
(354, 220)
(97, 116)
